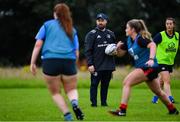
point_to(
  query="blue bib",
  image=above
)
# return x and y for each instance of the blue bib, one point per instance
(140, 55)
(57, 44)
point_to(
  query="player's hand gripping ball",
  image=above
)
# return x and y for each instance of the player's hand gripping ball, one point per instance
(119, 51)
(111, 49)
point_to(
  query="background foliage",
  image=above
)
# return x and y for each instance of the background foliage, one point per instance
(20, 20)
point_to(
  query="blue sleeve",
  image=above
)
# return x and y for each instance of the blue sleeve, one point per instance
(158, 38)
(41, 34)
(76, 42)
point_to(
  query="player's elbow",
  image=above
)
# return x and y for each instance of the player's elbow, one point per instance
(152, 45)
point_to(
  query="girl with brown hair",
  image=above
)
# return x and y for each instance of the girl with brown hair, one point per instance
(140, 46)
(60, 50)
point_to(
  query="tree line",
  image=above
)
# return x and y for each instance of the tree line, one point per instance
(20, 20)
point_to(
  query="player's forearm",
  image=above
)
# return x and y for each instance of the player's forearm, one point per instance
(34, 55)
(36, 51)
(152, 47)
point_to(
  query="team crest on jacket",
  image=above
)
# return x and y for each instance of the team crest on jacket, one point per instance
(98, 37)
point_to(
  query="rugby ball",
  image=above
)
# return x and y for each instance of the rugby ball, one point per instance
(110, 49)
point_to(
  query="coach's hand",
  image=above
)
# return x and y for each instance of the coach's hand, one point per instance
(91, 69)
(33, 69)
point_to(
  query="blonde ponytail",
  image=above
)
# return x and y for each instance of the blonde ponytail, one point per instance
(144, 31)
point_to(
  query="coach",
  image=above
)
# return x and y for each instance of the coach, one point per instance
(100, 65)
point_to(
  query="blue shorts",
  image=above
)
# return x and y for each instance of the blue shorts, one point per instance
(55, 66)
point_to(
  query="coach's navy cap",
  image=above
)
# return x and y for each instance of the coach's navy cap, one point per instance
(102, 16)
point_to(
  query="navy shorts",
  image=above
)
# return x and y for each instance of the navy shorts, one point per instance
(164, 67)
(55, 66)
(150, 73)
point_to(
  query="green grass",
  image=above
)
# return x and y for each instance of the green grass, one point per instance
(30, 104)
(24, 97)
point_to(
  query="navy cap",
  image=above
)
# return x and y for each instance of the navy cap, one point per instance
(102, 16)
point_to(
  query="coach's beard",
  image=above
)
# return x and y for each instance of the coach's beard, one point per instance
(101, 27)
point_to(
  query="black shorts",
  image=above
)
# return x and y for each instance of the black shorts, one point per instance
(54, 66)
(164, 67)
(150, 73)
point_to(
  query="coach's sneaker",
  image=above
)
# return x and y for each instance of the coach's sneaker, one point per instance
(78, 113)
(93, 105)
(104, 104)
(155, 100)
(174, 111)
(118, 112)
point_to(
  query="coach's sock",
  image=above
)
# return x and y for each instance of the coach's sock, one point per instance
(68, 116)
(74, 103)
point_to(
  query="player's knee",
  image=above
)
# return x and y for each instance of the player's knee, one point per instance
(53, 90)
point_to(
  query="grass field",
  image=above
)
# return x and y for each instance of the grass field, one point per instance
(25, 98)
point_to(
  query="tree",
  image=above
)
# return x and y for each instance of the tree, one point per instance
(20, 20)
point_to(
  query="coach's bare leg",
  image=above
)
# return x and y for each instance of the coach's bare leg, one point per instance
(53, 84)
(135, 77)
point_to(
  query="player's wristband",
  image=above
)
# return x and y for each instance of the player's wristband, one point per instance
(151, 58)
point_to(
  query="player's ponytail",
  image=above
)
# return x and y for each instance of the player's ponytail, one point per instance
(64, 16)
(140, 27)
(144, 31)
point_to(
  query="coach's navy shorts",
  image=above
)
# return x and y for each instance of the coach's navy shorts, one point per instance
(55, 66)
(151, 73)
(164, 67)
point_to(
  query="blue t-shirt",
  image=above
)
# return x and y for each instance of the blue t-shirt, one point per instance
(56, 42)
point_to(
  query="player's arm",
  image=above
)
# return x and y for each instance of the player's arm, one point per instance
(37, 47)
(35, 54)
(121, 49)
(147, 43)
(152, 47)
(76, 46)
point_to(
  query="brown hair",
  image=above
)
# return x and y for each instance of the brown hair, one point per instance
(174, 22)
(64, 16)
(172, 19)
(140, 27)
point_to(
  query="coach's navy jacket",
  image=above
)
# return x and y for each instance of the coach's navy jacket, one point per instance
(95, 43)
